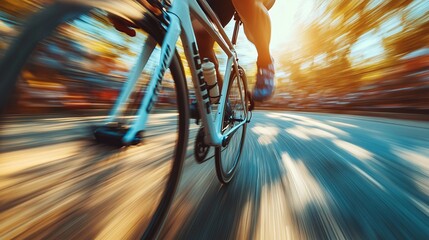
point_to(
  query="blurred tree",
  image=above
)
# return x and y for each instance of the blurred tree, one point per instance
(23, 8)
(414, 36)
(90, 32)
(332, 34)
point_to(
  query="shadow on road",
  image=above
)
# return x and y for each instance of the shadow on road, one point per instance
(304, 178)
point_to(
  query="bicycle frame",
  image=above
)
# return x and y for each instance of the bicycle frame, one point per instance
(180, 25)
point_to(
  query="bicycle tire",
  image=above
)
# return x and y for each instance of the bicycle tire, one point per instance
(40, 26)
(233, 149)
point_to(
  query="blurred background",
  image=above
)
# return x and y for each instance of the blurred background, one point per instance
(363, 55)
(366, 55)
(302, 175)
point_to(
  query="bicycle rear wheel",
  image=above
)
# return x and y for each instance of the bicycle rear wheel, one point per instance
(228, 156)
(59, 79)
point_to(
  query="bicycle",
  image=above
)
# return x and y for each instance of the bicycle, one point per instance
(223, 126)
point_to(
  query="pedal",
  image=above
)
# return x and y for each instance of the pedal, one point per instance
(114, 135)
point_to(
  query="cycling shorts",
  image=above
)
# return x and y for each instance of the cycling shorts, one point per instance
(223, 9)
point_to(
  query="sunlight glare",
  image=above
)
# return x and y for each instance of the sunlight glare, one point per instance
(283, 17)
(305, 188)
(356, 151)
(267, 134)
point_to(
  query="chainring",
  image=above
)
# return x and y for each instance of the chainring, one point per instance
(200, 149)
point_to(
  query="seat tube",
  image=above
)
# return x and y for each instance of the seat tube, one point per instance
(212, 135)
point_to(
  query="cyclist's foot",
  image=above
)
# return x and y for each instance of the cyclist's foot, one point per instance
(265, 84)
(122, 25)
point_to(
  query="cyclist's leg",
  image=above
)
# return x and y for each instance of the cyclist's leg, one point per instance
(224, 11)
(205, 47)
(257, 25)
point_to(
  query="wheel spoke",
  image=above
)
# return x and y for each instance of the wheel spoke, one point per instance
(227, 157)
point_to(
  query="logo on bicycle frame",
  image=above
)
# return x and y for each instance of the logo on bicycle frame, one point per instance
(203, 85)
(157, 89)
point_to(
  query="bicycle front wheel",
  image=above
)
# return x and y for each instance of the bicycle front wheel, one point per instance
(228, 156)
(60, 79)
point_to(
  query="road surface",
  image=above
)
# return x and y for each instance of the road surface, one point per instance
(302, 176)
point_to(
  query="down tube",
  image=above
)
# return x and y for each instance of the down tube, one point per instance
(168, 49)
(147, 49)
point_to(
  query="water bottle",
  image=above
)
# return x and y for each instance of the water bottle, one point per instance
(209, 72)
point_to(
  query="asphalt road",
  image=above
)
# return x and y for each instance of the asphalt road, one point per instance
(302, 176)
